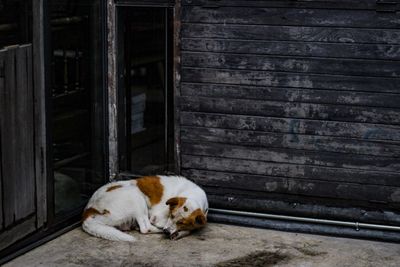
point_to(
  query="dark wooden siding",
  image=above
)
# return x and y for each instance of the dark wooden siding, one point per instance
(151, 3)
(17, 153)
(289, 104)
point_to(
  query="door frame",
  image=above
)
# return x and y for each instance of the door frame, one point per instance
(66, 218)
(39, 66)
(115, 110)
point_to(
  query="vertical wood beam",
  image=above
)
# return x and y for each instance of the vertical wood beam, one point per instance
(10, 144)
(2, 111)
(177, 83)
(23, 104)
(112, 87)
(40, 110)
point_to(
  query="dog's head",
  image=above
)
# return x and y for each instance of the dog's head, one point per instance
(185, 215)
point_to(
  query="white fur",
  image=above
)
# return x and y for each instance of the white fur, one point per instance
(127, 206)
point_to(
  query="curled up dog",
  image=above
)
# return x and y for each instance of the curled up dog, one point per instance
(171, 205)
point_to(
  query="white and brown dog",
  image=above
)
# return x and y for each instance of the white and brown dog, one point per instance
(169, 204)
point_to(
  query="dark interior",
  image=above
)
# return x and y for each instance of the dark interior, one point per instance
(15, 22)
(148, 90)
(75, 101)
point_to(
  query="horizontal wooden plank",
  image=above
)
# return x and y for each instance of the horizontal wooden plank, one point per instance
(291, 110)
(291, 33)
(303, 95)
(294, 186)
(349, 67)
(371, 204)
(157, 3)
(305, 206)
(293, 80)
(326, 50)
(290, 141)
(292, 126)
(291, 17)
(285, 170)
(331, 4)
(293, 156)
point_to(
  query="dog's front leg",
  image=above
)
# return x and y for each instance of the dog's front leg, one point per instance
(146, 227)
(154, 230)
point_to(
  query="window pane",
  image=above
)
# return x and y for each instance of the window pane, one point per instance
(147, 89)
(76, 100)
(15, 22)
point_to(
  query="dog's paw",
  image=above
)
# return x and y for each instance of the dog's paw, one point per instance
(174, 236)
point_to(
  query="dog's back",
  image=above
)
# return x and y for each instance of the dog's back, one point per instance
(113, 205)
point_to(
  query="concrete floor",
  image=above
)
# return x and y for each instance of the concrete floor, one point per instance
(216, 245)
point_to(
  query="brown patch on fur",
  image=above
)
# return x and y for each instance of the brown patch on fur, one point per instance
(152, 188)
(111, 188)
(195, 220)
(175, 203)
(90, 212)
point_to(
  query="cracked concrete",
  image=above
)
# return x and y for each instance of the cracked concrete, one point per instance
(216, 245)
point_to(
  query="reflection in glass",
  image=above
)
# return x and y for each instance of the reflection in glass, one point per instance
(76, 96)
(15, 22)
(148, 89)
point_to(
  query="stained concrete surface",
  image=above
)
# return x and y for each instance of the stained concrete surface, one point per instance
(216, 245)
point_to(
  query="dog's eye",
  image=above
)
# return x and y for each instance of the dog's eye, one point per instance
(185, 209)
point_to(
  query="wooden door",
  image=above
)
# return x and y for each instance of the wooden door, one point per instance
(18, 208)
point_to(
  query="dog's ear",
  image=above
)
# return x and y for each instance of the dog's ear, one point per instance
(201, 219)
(172, 202)
(175, 202)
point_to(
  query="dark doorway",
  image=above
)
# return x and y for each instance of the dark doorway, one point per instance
(146, 146)
(75, 98)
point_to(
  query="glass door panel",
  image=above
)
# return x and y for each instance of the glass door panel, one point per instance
(75, 101)
(15, 22)
(148, 94)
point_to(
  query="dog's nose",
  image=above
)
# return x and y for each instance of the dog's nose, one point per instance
(166, 231)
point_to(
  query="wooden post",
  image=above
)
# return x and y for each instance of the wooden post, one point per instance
(112, 87)
(2, 111)
(176, 83)
(40, 110)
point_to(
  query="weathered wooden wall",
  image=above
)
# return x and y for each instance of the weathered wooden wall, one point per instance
(293, 106)
(17, 151)
(146, 3)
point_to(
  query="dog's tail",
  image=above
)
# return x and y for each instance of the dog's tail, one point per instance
(99, 229)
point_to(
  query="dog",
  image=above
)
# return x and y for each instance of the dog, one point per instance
(172, 205)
